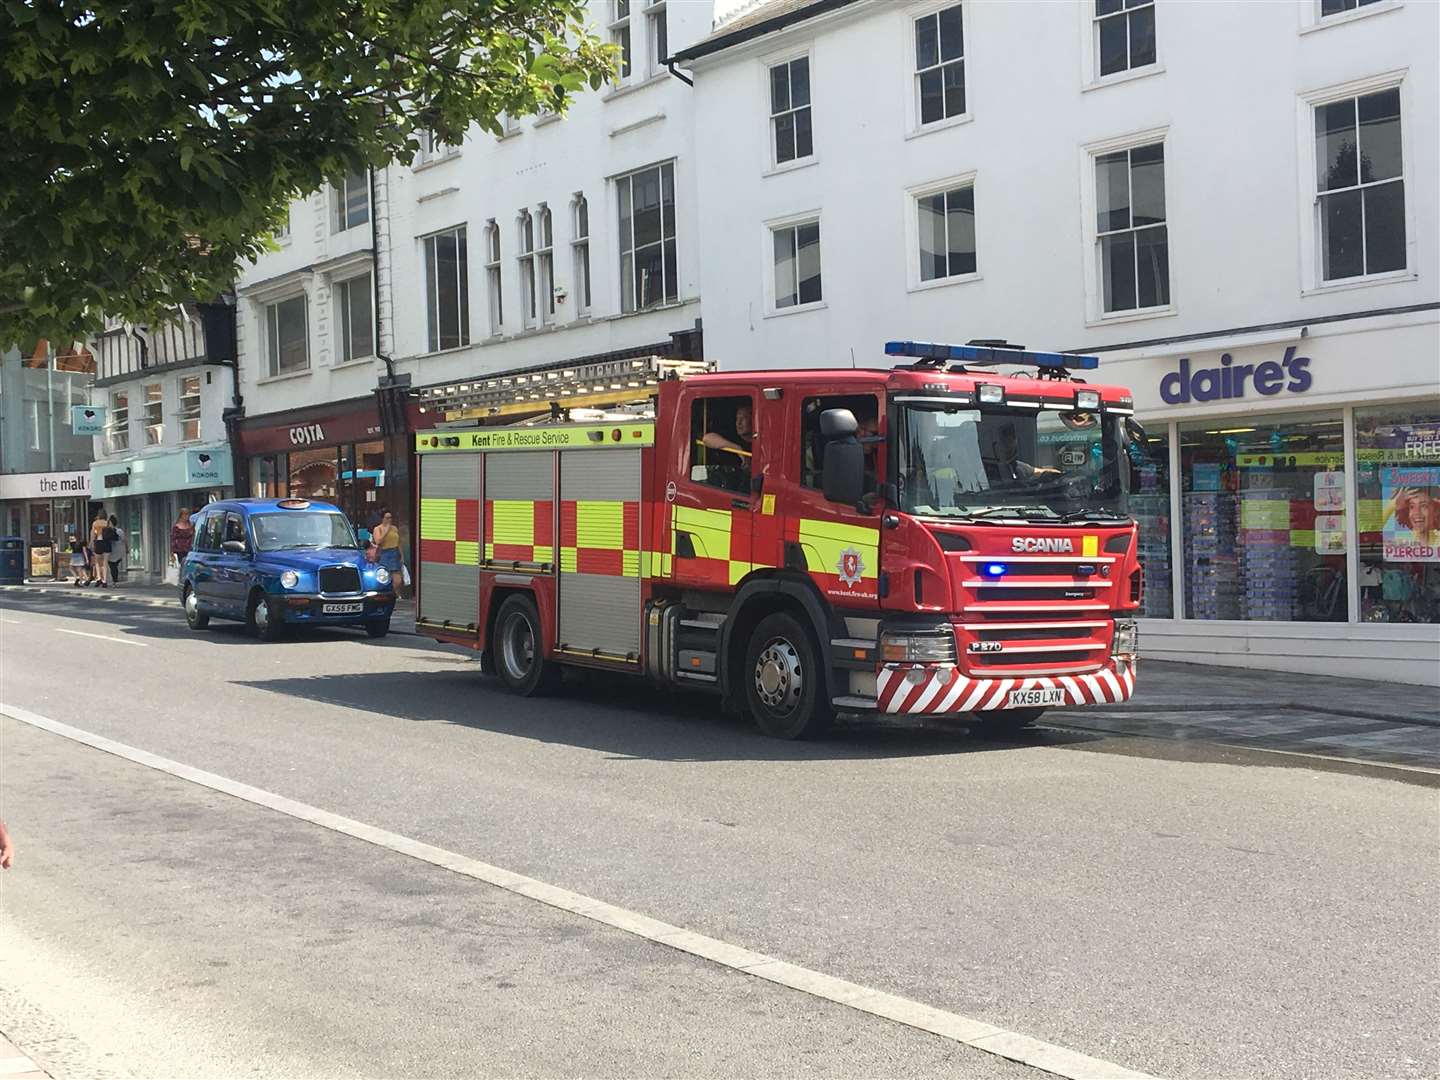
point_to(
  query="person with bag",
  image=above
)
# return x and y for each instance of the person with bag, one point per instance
(182, 539)
(100, 546)
(386, 540)
(116, 538)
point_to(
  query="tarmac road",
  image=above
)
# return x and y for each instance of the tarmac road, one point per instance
(1176, 910)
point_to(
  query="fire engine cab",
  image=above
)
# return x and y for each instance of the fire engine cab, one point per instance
(936, 537)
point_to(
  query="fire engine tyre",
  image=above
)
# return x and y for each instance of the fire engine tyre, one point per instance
(519, 661)
(1001, 721)
(784, 682)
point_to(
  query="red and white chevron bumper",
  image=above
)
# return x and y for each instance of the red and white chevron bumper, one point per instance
(928, 689)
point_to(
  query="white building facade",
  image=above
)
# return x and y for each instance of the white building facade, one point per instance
(569, 237)
(163, 393)
(1235, 205)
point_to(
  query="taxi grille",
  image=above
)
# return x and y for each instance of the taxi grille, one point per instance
(339, 579)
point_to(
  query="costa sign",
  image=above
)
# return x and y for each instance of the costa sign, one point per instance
(310, 430)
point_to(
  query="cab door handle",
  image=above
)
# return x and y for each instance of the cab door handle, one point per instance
(740, 504)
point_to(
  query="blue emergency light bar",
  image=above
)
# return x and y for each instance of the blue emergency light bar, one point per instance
(985, 354)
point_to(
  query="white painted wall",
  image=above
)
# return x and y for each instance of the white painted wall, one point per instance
(1226, 91)
(216, 395)
(609, 132)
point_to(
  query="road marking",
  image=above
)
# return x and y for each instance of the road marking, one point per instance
(101, 637)
(948, 1025)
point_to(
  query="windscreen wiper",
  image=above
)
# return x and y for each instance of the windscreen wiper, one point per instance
(1028, 512)
(1098, 512)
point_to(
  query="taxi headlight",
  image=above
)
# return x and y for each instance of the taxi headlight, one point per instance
(1126, 642)
(382, 576)
(289, 579)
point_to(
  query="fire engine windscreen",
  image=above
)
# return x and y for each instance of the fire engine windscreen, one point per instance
(1032, 463)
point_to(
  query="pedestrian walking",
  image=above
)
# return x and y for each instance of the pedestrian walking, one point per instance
(7, 849)
(100, 548)
(182, 539)
(117, 548)
(79, 560)
(386, 539)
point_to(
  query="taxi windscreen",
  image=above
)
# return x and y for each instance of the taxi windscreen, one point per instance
(282, 531)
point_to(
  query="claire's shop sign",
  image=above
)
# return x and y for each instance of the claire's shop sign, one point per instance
(1290, 374)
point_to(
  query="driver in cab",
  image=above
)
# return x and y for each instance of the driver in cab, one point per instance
(1007, 460)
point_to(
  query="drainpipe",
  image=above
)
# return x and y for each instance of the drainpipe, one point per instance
(50, 398)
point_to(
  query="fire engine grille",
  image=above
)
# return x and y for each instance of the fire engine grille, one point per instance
(1058, 592)
(1087, 658)
(1037, 634)
(339, 579)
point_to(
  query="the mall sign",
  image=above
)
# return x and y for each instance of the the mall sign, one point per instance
(1231, 380)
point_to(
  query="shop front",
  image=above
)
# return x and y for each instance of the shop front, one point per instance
(43, 509)
(1289, 497)
(147, 493)
(337, 456)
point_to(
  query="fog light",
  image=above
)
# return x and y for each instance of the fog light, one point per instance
(1126, 641)
(1087, 400)
(990, 394)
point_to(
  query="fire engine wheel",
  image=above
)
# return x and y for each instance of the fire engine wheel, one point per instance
(1000, 721)
(784, 683)
(519, 659)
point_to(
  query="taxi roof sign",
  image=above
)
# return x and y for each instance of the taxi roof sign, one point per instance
(989, 354)
(294, 504)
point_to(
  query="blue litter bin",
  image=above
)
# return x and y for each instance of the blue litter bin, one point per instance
(12, 560)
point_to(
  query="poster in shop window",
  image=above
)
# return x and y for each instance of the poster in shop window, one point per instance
(1410, 497)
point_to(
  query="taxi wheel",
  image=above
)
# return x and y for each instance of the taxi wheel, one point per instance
(784, 682)
(194, 617)
(377, 629)
(519, 659)
(1001, 721)
(264, 619)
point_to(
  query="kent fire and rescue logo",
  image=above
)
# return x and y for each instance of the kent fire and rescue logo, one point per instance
(851, 567)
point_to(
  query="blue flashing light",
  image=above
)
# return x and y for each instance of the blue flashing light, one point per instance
(985, 354)
(995, 569)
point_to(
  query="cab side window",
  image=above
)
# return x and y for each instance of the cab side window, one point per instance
(234, 528)
(214, 526)
(722, 430)
(866, 408)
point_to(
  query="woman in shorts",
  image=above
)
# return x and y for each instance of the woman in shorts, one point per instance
(79, 561)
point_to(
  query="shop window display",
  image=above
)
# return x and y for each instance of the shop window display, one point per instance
(1150, 506)
(314, 474)
(1397, 452)
(1264, 518)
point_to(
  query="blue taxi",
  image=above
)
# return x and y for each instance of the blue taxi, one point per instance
(273, 563)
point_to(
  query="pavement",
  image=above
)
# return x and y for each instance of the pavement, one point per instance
(197, 905)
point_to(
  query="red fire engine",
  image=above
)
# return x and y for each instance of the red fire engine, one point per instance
(932, 538)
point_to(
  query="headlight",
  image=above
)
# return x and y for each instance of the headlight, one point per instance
(990, 393)
(1087, 400)
(289, 579)
(1127, 639)
(918, 647)
(382, 575)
